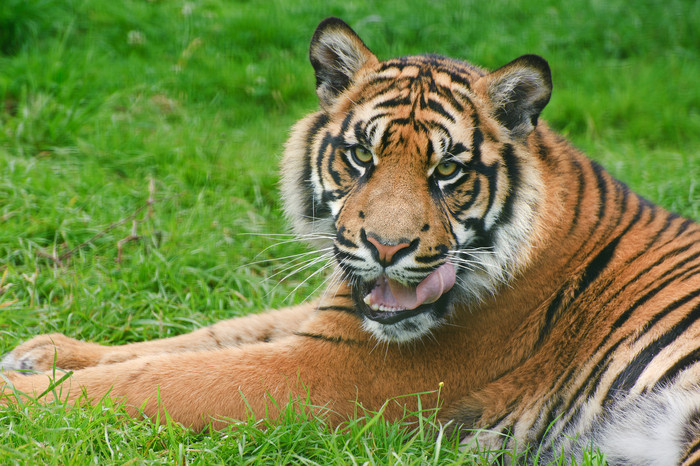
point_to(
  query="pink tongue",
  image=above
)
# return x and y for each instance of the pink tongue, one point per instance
(392, 294)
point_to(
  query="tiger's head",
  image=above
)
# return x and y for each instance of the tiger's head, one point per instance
(420, 170)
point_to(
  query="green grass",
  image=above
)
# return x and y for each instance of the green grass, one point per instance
(99, 97)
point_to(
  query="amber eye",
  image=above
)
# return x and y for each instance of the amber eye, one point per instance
(361, 155)
(447, 168)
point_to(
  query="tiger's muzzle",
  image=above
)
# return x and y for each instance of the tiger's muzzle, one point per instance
(388, 301)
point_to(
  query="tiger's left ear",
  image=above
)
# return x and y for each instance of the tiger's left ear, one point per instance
(337, 54)
(519, 92)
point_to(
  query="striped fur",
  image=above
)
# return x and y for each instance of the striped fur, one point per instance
(482, 252)
(604, 285)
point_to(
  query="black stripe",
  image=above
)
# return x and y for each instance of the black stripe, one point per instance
(436, 107)
(341, 239)
(647, 296)
(665, 311)
(336, 308)
(465, 98)
(545, 421)
(305, 182)
(579, 195)
(345, 124)
(446, 93)
(513, 175)
(477, 141)
(436, 125)
(345, 256)
(602, 186)
(542, 151)
(636, 278)
(691, 450)
(629, 376)
(385, 141)
(399, 63)
(690, 274)
(422, 270)
(597, 265)
(457, 78)
(457, 149)
(369, 134)
(589, 275)
(358, 131)
(663, 260)
(394, 102)
(441, 253)
(470, 195)
(552, 309)
(334, 340)
(490, 172)
(329, 144)
(482, 238)
(684, 226)
(590, 384)
(680, 365)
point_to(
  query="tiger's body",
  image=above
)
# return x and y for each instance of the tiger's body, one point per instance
(475, 247)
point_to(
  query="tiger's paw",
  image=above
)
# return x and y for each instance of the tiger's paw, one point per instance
(44, 352)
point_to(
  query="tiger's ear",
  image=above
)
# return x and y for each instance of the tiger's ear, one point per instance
(336, 54)
(519, 92)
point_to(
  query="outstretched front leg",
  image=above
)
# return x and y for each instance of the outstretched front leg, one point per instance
(330, 359)
(41, 353)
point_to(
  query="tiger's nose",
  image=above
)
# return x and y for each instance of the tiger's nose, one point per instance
(386, 251)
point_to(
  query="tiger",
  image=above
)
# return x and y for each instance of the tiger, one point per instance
(479, 258)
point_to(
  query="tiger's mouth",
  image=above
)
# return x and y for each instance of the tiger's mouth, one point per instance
(388, 301)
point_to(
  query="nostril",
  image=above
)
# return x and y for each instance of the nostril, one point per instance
(386, 251)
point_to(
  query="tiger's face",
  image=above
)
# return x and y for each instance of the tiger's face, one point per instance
(417, 169)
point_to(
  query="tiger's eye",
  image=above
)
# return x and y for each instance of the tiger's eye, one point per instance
(361, 154)
(446, 168)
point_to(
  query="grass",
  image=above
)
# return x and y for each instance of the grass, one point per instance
(100, 98)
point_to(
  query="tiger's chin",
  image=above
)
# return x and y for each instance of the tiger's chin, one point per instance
(409, 329)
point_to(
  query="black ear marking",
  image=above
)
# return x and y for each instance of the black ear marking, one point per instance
(519, 91)
(337, 54)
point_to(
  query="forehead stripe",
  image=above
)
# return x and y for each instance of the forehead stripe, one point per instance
(449, 95)
(394, 102)
(436, 107)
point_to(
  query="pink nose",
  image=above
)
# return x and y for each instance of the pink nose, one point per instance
(386, 251)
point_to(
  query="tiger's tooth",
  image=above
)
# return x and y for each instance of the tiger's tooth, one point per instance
(377, 307)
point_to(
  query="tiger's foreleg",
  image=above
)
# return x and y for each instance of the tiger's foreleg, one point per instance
(192, 387)
(42, 352)
(195, 387)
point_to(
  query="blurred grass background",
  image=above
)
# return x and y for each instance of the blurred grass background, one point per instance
(99, 97)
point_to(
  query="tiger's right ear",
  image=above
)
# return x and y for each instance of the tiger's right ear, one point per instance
(519, 92)
(336, 54)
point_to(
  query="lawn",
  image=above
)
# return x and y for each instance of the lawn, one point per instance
(139, 143)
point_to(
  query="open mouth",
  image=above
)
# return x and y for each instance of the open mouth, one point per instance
(388, 301)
